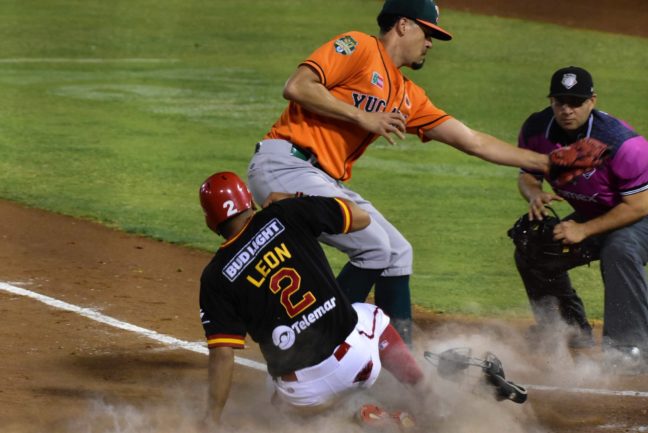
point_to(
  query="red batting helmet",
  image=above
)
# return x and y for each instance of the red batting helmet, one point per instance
(222, 196)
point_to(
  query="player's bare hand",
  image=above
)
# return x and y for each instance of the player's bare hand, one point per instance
(570, 232)
(276, 196)
(537, 208)
(384, 124)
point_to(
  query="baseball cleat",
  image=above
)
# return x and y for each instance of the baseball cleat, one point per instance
(404, 420)
(373, 416)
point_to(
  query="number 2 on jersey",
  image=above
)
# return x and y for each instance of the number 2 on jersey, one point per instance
(288, 282)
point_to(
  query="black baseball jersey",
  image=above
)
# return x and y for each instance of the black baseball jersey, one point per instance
(273, 281)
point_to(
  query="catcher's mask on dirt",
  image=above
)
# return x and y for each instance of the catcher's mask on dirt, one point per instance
(223, 196)
(452, 363)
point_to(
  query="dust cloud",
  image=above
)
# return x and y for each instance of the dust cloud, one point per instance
(463, 403)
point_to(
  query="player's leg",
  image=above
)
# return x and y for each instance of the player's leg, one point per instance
(357, 282)
(392, 292)
(378, 254)
(623, 258)
(550, 291)
(368, 250)
(369, 253)
(397, 358)
(386, 345)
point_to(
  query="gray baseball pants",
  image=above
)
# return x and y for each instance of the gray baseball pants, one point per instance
(379, 246)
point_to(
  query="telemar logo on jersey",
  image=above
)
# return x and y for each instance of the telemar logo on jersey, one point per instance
(346, 45)
(284, 336)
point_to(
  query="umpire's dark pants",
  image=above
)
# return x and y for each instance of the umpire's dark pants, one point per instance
(623, 254)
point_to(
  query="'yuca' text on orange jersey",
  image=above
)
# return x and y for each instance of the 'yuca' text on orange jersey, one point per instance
(356, 69)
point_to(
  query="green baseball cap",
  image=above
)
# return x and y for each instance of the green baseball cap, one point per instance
(425, 12)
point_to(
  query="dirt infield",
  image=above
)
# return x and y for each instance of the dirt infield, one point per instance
(75, 371)
(616, 16)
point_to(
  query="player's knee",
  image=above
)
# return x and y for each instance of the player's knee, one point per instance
(375, 258)
(374, 246)
(407, 253)
(620, 247)
(401, 253)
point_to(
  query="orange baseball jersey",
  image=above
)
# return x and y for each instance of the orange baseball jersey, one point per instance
(356, 69)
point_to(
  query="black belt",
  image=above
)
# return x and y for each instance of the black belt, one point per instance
(301, 153)
(295, 151)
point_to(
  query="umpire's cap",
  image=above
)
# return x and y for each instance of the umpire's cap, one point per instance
(223, 195)
(572, 81)
(425, 12)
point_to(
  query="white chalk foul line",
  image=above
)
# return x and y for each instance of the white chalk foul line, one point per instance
(102, 318)
(589, 391)
(200, 348)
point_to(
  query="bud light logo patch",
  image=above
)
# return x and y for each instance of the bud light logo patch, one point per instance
(251, 250)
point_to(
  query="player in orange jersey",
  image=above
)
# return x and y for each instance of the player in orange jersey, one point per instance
(347, 94)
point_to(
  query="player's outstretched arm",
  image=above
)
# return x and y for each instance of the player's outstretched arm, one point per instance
(359, 217)
(487, 147)
(304, 87)
(220, 369)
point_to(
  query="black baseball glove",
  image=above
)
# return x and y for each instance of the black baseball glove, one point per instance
(534, 238)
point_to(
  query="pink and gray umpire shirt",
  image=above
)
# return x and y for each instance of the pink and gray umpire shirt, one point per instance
(595, 192)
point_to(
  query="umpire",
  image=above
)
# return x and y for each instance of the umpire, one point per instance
(610, 219)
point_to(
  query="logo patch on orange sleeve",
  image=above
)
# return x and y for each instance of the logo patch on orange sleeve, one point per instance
(346, 45)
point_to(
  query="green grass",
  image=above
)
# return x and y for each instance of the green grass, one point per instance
(116, 111)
